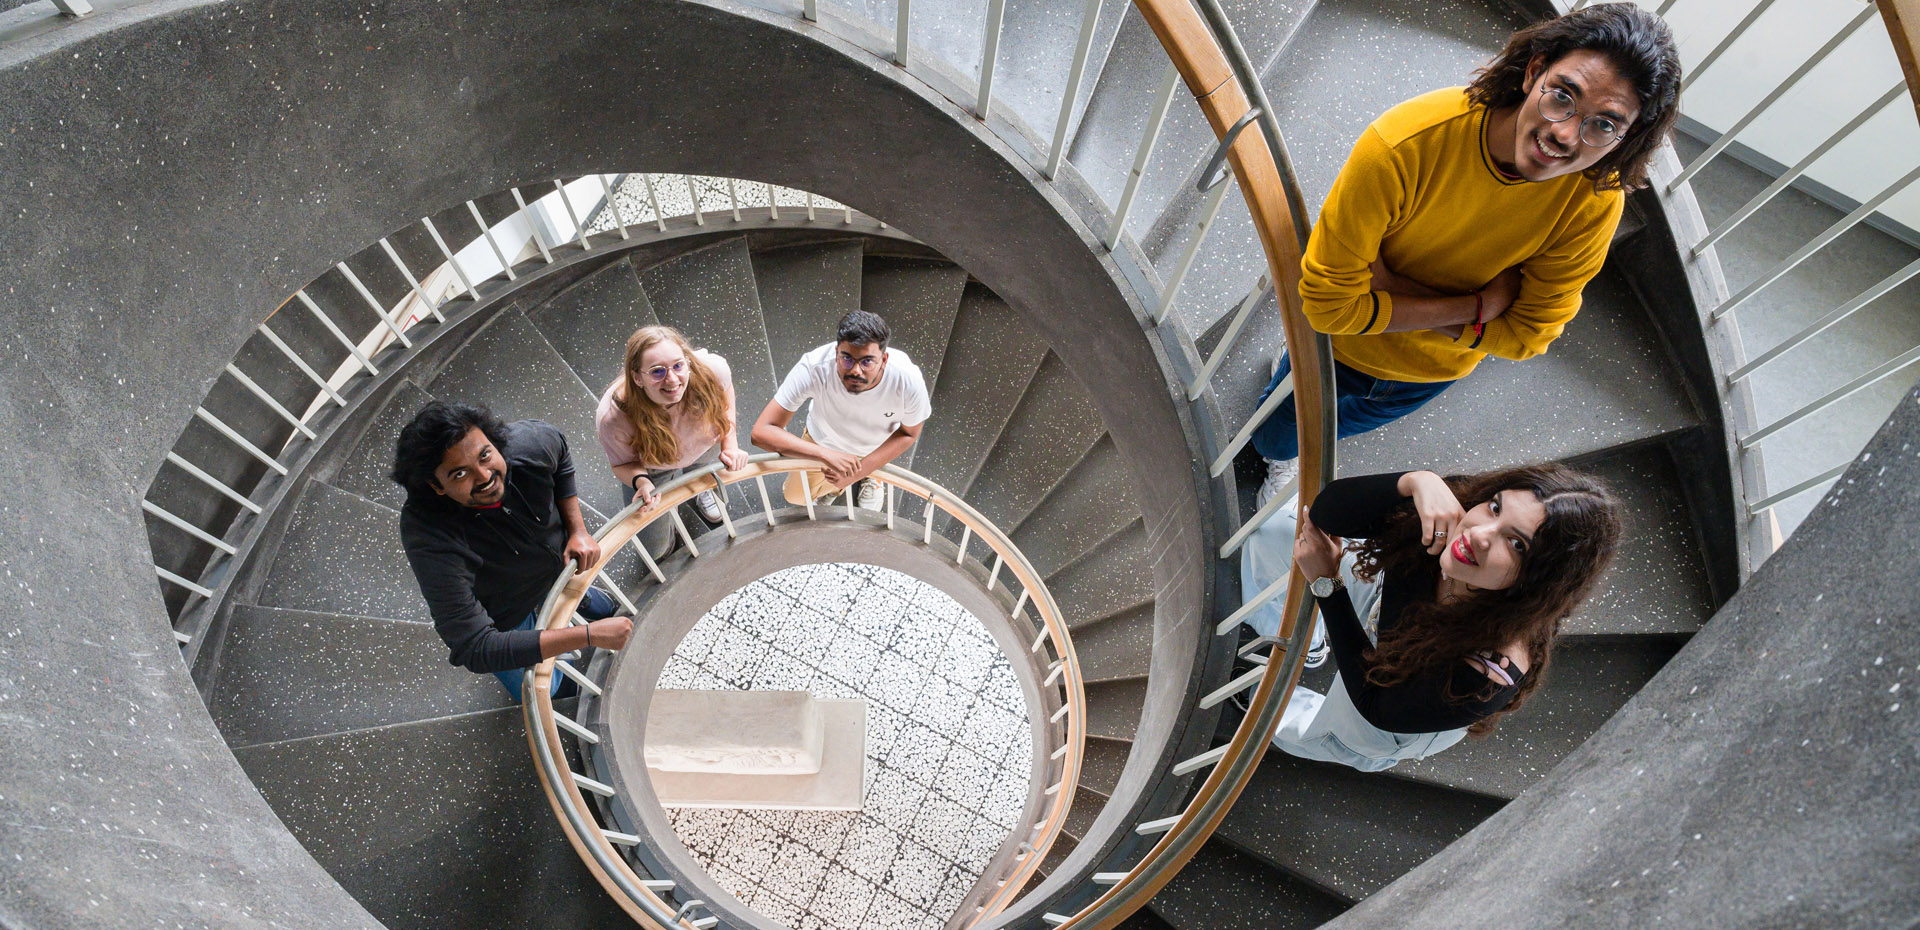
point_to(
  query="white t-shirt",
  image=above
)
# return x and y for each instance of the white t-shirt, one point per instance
(855, 423)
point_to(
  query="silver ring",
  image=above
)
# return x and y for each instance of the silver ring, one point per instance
(1439, 533)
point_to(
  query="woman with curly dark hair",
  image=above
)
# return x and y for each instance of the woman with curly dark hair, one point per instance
(1470, 576)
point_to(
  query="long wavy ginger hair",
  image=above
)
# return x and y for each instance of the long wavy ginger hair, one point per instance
(1572, 548)
(653, 439)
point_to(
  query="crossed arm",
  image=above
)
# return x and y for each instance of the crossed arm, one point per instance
(841, 468)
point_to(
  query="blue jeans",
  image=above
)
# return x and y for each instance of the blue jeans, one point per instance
(1365, 404)
(596, 605)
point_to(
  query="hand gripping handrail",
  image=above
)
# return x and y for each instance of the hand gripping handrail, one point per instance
(595, 845)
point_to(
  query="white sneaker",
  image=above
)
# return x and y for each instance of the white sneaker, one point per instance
(1280, 477)
(872, 495)
(708, 503)
(1318, 649)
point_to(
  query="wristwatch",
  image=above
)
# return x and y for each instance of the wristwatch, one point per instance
(1324, 587)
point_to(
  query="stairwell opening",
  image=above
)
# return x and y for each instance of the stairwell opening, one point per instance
(948, 752)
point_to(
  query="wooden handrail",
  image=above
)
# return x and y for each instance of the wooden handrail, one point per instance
(569, 589)
(1903, 28)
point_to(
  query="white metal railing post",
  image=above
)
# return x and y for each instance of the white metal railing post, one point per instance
(990, 49)
(300, 363)
(413, 283)
(278, 408)
(215, 483)
(75, 8)
(573, 216)
(1813, 329)
(810, 11)
(1227, 339)
(1833, 397)
(532, 226)
(1816, 244)
(1163, 98)
(900, 35)
(693, 193)
(1280, 393)
(182, 582)
(223, 429)
(458, 271)
(1089, 20)
(188, 528)
(1739, 29)
(653, 200)
(613, 204)
(486, 232)
(733, 198)
(1767, 503)
(353, 348)
(1208, 211)
(373, 303)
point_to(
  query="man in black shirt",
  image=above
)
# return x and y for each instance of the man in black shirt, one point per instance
(491, 518)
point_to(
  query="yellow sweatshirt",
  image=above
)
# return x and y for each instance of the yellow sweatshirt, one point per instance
(1421, 191)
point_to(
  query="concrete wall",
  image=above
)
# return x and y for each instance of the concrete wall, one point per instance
(172, 170)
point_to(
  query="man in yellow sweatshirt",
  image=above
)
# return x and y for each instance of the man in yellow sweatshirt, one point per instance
(1467, 221)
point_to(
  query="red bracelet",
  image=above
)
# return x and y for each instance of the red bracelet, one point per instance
(1476, 309)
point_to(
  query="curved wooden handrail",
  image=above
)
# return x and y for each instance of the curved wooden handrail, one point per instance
(1903, 28)
(556, 775)
(1205, 68)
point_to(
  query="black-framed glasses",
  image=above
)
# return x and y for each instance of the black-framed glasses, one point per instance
(658, 373)
(1556, 106)
(865, 363)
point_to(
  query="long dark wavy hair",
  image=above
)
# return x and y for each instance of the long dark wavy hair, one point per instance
(1573, 546)
(1640, 47)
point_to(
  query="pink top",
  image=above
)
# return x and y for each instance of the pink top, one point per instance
(616, 434)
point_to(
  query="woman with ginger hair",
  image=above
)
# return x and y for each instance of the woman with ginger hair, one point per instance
(671, 409)
(1469, 576)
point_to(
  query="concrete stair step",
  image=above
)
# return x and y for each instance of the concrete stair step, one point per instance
(1606, 382)
(991, 359)
(1100, 767)
(423, 823)
(710, 296)
(1113, 707)
(366, 470)
(1658, 583)
(589, 322)
(287, 674)
(1094, 501)
(1050, 431)
(804, 291)
(1222, 888)
(1115, 575)
(1591, 677)
(337, 537)
(1342, 830)
(1120, 646)
(512, 369)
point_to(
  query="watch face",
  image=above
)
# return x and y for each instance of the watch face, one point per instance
(1322, 587)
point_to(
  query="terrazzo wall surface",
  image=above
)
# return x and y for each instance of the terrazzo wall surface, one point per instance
(949, 749)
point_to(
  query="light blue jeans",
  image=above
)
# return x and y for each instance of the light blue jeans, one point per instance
(1325, 727)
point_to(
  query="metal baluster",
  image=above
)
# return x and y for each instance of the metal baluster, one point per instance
(1233, 687)
(1202, 760)
(1155, 119)
(1897, 91)
(214, 483)
(458, 271)
(189, 528)
(733, 198)
(1833, 397)
(1207, 214)
(850, 517)
(573, 726)
(966, 537)
(686, 538)
(810, 216)
(374, 303)
(486, 232)
(653, 199)
(773, 204)
(1019, 605)
(1089, 19)
(1739, 30)
(1228, 339)
(996, 11)
(810, 11)
(75, 8)
(301, 364)
(726, 518)
(1726, 138)
(1240, 439)
(613, 203)
(1279, 586)
(573, 216)
(1665, 5)
(1040, 640)
(1144, 829)
(413, 282)
(993, 578)
(1259, 517)
(1816, 244)
(268, 399)
(806, 491)
(182, 582)
(900, 36)
(765, 500)
(619, 595)
(579, 678)
(1055, 672)
(327, 321)
(239, 440)
(1818, 326)
(646, 558)
(532, 225)
(849, 212)
(926, 538)
(1766, 503)
(698, 218)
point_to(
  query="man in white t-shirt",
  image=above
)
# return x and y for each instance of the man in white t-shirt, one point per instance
(869, 403)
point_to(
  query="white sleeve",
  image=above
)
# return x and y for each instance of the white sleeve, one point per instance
(797, 387)
(919, 402)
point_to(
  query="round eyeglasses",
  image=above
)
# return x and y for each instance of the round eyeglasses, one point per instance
(658, 373)
(865, 363)
(1556, 106)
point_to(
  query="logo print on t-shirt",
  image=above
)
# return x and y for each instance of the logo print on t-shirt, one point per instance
(889, 413)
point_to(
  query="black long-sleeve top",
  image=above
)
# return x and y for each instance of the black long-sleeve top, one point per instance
(483, 569)
(1359, 508)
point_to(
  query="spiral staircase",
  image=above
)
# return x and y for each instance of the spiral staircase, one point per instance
(1061, 373)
